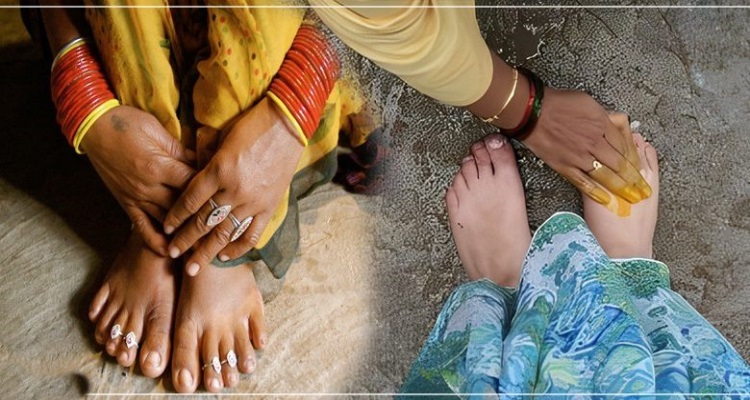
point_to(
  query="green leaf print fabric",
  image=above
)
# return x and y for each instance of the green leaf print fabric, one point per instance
(579, 324)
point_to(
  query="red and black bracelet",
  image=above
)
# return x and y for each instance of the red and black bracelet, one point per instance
(533, 107)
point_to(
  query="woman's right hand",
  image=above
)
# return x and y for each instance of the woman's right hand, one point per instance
(143, 166)
(576, 137)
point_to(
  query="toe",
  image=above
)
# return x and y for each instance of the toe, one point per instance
(211, 364)
(652, 159)
(258, 323)
(104, 324)
(128, 347)
(451, 200)
(155, 351)
(482, 159)
(501, 153)
(229, 373)
(113, 340)
(245, 352)
(100, 300)
(469, 171)
(185, 362)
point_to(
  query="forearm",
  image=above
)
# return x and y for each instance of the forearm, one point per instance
(62, 25)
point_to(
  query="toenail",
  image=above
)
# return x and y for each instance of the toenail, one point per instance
(111, 346)
(214, 384)
(250, 365)
(467, 159)
(174, 252)
(153, 359)
(233, 377)
(193, 269)
(185, 378)
(223, 258)
(168, 229)
(495, 143)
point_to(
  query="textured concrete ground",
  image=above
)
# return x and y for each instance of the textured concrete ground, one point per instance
(682, 73)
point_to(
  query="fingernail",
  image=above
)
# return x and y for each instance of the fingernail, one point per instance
(645, 189)
(214, 383)
(632, 195)
(168, 229)
(193, 269)
(153, 359)
(495, 143)
(600, 196)
(174, 252)
(223, 257)
(185, 378)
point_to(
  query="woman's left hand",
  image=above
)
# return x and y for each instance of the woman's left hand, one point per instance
(251, 171)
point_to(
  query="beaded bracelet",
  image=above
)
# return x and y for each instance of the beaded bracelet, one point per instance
(305, 80)
(533, 107)
(80, 91)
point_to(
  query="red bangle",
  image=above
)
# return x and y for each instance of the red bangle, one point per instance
(78, 87)
(306, 78)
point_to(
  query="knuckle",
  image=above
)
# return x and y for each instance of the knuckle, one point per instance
(199, 224)
(222, 236)
(192, 202)
(140, 190)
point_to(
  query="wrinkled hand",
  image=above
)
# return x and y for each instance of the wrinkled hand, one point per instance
(251, 171)
(141, 164)
(573, 132)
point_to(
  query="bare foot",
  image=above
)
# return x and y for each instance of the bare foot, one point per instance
(138, 296)
(487, 213)
(626, 237)
(219, 311)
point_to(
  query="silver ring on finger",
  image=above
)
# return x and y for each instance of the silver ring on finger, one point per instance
(218, 213)
(239, 226)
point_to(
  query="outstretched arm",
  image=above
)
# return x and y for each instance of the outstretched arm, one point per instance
(440, 52)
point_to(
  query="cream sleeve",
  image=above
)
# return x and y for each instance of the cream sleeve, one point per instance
(438, 51)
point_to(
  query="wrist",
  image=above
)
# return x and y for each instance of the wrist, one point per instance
(283, 122)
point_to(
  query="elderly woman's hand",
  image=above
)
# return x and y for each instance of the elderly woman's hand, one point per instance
(250, 171)
(141, 164)
(577, 138)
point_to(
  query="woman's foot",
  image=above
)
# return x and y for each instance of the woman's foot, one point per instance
(220, 312)
(626, 237)
(137, 297)
(487, 213)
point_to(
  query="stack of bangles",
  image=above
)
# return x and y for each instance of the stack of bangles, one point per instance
(79, 91)
(533, 107)
(305, 80)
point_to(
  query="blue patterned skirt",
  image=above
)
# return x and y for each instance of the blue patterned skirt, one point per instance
(579, 324)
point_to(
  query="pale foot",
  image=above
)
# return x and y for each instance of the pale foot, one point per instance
(632, 236)
(487, 213)
(138, 295)
(219, 311)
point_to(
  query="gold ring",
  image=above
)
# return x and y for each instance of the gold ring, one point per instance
(596, 164)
